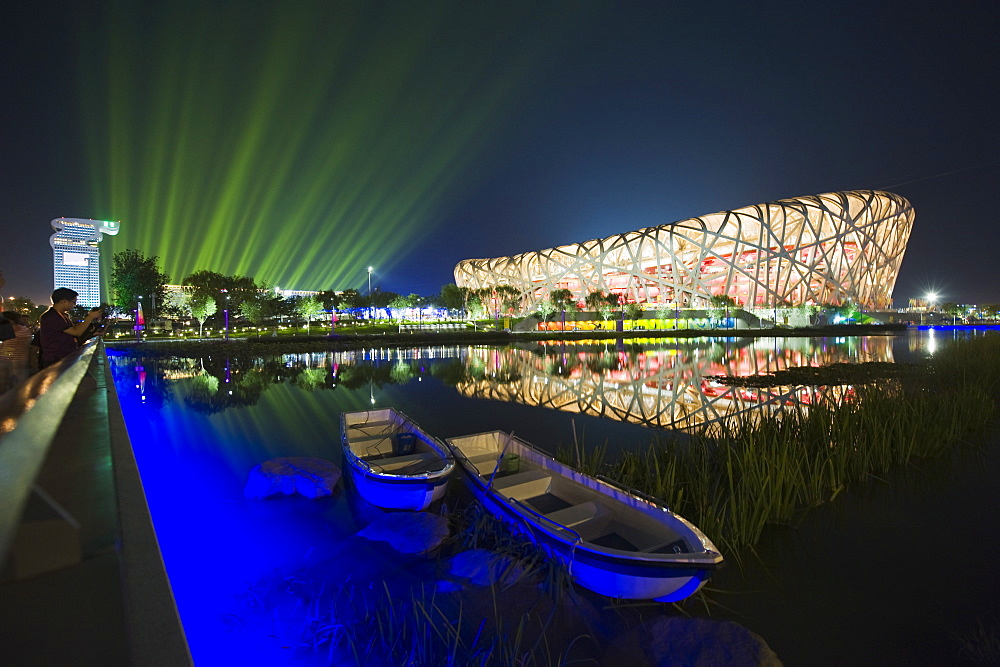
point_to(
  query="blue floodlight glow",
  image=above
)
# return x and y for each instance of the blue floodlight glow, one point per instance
(216, 544)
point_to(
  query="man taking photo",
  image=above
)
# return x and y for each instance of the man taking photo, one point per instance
(58, 333)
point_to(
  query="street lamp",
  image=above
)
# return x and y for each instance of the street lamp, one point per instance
(371, 306)
(225, 311)
(930, 298)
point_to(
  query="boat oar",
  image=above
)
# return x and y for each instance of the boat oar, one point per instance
(503, 452)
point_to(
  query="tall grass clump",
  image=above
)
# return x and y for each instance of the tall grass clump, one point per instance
(333, 618)
(366, 624)
(375, 623)
(763, 468)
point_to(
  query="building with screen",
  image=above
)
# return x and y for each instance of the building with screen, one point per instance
(825, 249)
(76, 256)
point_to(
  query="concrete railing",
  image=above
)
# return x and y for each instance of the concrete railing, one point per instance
(62, 410)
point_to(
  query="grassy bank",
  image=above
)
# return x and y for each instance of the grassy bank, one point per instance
(266, 345)
(769, 468)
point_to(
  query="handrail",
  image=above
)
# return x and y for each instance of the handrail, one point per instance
(634, 492)
(466, 459)
(24, 448)
(532, 510)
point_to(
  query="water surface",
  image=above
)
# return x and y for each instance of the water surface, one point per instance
(889, 570)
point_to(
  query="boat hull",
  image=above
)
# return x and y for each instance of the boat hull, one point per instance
(615, 575)
(384, 472)
(397, 493)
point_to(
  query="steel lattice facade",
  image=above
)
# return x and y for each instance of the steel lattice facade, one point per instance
(827, 248)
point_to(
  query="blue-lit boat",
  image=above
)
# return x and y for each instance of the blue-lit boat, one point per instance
(393, 463)
(612, 540)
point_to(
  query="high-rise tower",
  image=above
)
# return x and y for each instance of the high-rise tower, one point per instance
(76, 256)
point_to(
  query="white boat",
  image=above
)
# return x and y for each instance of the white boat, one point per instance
(613, 540)
(394, 464)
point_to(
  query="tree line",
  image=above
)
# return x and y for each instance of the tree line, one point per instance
(137, 279)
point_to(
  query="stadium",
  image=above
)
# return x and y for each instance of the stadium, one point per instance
(831, 248)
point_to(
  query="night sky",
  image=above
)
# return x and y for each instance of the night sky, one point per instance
(300, 142)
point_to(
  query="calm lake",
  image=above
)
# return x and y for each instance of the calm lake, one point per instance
(898, 571)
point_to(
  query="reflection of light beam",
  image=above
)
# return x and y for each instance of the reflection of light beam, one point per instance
(350, 129)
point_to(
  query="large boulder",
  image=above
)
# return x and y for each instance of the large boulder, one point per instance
(408, 532)
(693, 642)
(309, 477)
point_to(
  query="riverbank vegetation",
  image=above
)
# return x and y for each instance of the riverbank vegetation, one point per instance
(766, 468)
(391, 337)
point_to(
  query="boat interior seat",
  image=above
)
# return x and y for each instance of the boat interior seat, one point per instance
(368, 433)
(373, 446)
(397, 463)
(574, 515)
(371, 423)
(527, 484)
(484, 463)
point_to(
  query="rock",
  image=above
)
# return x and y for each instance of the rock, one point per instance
(408, 532)
(483, 567)
(694, 642)
(309, 477)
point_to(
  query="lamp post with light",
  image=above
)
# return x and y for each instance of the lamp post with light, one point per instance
(225, 311)
(930, 298)
(371, 306)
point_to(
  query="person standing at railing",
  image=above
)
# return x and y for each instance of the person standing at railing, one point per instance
(58, 333)
(14, 352)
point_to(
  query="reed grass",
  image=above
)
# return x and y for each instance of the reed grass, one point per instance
(769, 467)
(383, 622)
(373, 623)
(981, 646)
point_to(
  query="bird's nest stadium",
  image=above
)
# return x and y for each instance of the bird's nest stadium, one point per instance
(825, 249)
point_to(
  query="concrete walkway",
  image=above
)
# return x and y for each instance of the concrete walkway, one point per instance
(73, 613)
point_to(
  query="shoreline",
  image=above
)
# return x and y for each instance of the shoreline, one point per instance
(339, 342)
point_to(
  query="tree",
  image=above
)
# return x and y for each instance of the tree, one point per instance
(25, 306)
(177, 303)
(452, 297)
(237, 288)
(632, 312)
(254, 310)
(545, 308)
(331, 300)
(473, 303)
(594, 300)
(203, 306)
(400, 303)
(602, 303)
(990, 311)
(134, 275)
(380, 299)
(563, 300)
(665, 310)
(721, 303)
(351, 299)
(308, 308)
(509, 297)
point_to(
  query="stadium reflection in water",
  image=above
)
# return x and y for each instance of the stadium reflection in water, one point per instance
(667, 385)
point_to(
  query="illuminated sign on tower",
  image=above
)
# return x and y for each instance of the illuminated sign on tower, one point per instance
(76, 256)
